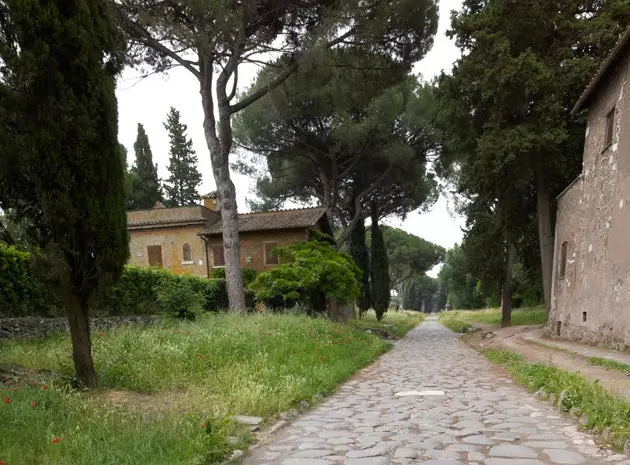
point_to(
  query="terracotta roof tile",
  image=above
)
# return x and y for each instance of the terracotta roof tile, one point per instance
(264, 221)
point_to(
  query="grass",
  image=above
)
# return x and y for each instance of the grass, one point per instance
(612, 364)
(397, 324)
(173, 378)
(574, 393)
(524, 316)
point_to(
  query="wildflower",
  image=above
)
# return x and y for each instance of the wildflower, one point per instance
(56, 440)
(45, 387)
(33, 404)
(15, 389)
(199, 356)
(203, 426)
(7, 400)
(2, 462)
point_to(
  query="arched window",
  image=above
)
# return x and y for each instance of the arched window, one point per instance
(187, 253)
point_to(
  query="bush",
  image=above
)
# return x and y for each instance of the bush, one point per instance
(249, 275)
(20, 291)
(178, 298)
(311, 272)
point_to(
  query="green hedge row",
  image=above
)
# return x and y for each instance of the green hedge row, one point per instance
(139, 290)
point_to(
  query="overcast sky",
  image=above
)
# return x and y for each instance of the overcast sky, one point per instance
(148, 100)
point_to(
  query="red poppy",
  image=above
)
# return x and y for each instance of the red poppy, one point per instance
(56, 440)
(2, 462)
(15, 389)
(203, 426)
(33, 404)
(7, 400)
(101, 334)
(199, 356)
(45, 387)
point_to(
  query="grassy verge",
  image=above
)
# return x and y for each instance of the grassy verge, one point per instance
(450, 320)
(606, 363)
(168, 390)
(572, 393)
(397, 324)
(525, 316)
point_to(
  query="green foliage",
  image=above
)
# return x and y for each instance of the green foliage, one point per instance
(395, 324)
(21, 293)
(145, 184)
(359, 253)
(348, 133)
(573, 391)
(249, 274)
(178, 299)
(449, 320)
(612, 364)
(409, 256)
(181, 186)
(309, 273)
(524, 316)
(189, 373)
(423, 293)
(215, 295)
(379, 270)
(457, 278)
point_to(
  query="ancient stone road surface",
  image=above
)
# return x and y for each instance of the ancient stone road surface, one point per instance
(482, 417)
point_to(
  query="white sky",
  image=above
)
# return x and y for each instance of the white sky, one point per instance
(148, 100)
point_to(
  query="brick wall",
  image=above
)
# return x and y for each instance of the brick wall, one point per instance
(252, 245)
(594, 220)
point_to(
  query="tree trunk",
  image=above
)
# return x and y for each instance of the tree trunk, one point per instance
(506, 291)
(545, 233)
(77, 311)
(219, 147)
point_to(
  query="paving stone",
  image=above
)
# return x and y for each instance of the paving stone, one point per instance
(367, 461)
(513, 451)
(564, 456)
(405, 453)
(482, 418)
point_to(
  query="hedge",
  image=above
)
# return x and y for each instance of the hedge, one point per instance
(136, 293)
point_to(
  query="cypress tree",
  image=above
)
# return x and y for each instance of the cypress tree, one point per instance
(359, 253)
(379, 268)
(61, 164)
(181, 186)
(145, 184)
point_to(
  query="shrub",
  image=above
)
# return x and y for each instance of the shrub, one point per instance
(249, 275)
(178, 298)
(215, 295)
(20, 291)
(311, 273)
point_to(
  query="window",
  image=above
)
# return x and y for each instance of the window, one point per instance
(270, 257)
(610, 126)
(583, 317)
(563, 259)
(218, 259)
(187, 253)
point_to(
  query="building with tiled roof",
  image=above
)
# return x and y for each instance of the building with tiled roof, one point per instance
(591, 277)
(188, 240)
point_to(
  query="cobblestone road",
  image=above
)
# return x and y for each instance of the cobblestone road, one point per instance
(463, 411)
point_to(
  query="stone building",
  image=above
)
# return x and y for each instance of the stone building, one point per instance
(187, 240)
(591, 277)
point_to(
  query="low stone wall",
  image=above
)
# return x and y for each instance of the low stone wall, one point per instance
(33, 327)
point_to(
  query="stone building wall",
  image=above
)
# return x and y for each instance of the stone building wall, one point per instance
(172, 240)
(252, 245)
(591, 302)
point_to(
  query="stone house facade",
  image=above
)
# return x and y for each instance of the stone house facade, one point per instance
(187, 240)
(591, 276)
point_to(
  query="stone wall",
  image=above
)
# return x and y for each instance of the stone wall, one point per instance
(591, 302)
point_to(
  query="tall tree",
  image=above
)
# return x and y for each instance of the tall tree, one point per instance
(211, 40)
(507, 104)
(60, 163)
(347, 134)
(181, 186)
(360, 255)
(145, 183)
(379, 269)
(409, 256)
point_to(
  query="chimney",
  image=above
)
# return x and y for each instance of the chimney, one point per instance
(211, 201)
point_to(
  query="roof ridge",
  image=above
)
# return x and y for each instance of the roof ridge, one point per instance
(285, 210)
